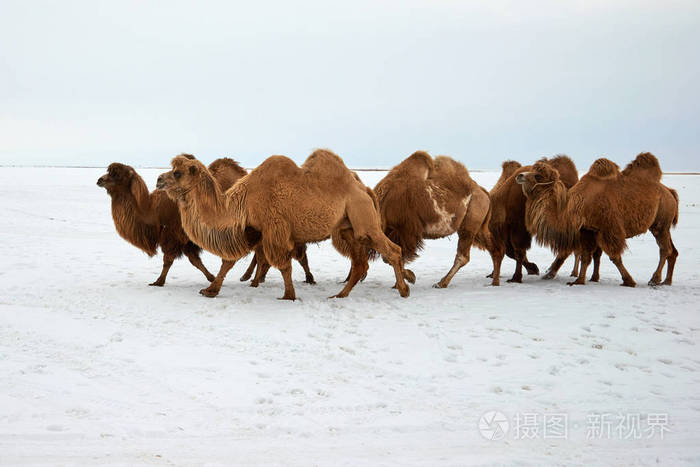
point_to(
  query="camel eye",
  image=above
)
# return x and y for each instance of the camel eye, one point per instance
(538, 178)
(177, 174)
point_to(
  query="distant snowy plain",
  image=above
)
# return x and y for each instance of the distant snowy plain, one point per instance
(98, 368)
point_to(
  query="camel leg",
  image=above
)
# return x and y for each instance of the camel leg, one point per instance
(588, 245)
(627, 280)
(595, 277)
(392, 253)
(464, 247)
(663, 239)
(574, 271)
(286, 271)
(531, 268)
(167, 262)
(497, 258)
(215, 286)
(304, 261)
(518, 274)
(556, 264)
(197, 262)
(360, 263)
(260, 274)
(251, 268)
(671, 264)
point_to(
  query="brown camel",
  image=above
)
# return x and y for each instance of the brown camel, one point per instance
(509, 234)
(602, 210)
(281, 205)
(422, 198)
(149, 220)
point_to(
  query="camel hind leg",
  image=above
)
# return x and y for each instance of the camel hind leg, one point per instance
(464, 247)
(666, 250)
(300, 256)
(251, 268)
(556, 265)
(595, 277)
(574, 271)
(360, 262)
(167, 262)
(587, 246)
(197, 262)
(671, 264)
(366, 224)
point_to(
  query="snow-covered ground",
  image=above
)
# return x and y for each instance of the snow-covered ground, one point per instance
(98, 368)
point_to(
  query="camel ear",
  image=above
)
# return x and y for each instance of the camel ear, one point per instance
(193, 170)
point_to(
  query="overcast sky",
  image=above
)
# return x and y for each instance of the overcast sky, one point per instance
(87, 83)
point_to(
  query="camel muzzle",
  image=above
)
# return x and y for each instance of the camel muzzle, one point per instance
(101, 181)
(160, 183)
(520, 178)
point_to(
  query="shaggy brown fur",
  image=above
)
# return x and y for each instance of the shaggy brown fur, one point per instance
(602, 210)
(282, 205)
(148, 221)
(509, 233)
(424, 198)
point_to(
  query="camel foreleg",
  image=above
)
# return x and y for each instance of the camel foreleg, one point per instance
(215, 286)
(197, 262)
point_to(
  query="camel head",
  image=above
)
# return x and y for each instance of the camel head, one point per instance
(117, 178)
(540, 175)
(186, 174)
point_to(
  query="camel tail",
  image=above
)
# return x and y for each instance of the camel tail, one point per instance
(675, 195)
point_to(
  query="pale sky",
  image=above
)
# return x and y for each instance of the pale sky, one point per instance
(91, 82)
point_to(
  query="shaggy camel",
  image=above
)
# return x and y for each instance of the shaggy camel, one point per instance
(602, 210)
(281, 205)
(509, 234)
(148, 220)
(422, 198)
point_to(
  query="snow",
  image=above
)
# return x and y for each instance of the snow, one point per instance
(98, 368)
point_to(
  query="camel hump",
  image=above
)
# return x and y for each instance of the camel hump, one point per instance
(604, 168)
(418, 164)
(448, 165)
(566, 168)
(644, 165)
(226, 163)
(510, 166)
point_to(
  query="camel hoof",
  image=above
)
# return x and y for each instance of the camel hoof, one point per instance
(439, 285)
(254, 283)
(532, 270)
(244, 277)
(628, 284)
(549, 276)
(287, 297)
(490, 276)
(310, 280)
(409, 276)
(157, 284)
(666, 282)
(211, 293)
(404, 291)
(339, 295)
(515, 280)
(495, 283)
(575, 283)
(594, 279)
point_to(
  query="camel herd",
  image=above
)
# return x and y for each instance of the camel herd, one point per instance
(279, 207)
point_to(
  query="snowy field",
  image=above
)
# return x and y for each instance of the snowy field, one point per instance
(97, 368)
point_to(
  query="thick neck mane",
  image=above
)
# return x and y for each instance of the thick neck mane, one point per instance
(134, 216)
(549, 219)
(215, 220)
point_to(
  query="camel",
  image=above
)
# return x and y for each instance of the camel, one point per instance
(602, 210)
(509, 234)
(280, 205)
(149, 220)
(422, 198)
